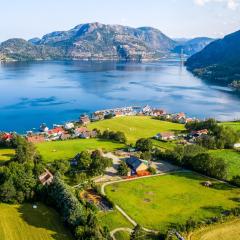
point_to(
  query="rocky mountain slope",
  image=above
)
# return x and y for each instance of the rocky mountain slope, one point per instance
(92, 41)
(219, 61)
(192, 46)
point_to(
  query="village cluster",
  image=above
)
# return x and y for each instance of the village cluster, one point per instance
(78, 129)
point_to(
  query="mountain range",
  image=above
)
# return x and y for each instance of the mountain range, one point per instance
(219, 61)
(97, 41)
(192, 46)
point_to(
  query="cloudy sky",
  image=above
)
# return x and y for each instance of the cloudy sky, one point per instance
(176, 18)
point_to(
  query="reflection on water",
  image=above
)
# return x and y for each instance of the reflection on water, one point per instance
(53, 92)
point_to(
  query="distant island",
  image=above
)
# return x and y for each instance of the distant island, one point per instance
(219, 61)
(96, 41)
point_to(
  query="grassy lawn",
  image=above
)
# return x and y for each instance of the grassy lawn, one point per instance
(68, 149)
(22, 222)
(6, 154)
(164, 145)
(121, 235)
(136, 127)
(170, 199)
(234, 125)
(232, 158)
(225, 231)
(113, 220)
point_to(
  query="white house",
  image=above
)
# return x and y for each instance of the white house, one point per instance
(69, 126)
(165, 136)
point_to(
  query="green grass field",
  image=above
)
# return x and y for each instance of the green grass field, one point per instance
(6, 154)
(121, 235)
(232, 158)
(225, 231)
(113, 219)
(234, 125)
(22, 222)
(170, 199)
(136, 127)
(68, 149)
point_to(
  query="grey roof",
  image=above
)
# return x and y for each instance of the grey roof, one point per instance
(134, 162)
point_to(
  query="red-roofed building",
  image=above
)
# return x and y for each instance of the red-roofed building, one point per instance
(7, 136)
(158, 112)
(35, 138)
(56, 131)
(199, 133)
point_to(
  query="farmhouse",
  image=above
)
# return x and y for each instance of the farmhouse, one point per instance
(35, 138)
(69, 126)
(136, 164)
(84, 120)
(78, 131)
(7, 137)
(165, 136)
(158, 112)
(46, 177)
(199, 133)
(56, 131)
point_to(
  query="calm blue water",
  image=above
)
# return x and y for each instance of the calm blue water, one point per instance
(54, 92)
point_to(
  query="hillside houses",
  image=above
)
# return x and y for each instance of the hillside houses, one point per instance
(84, 120)
(36, 138)
(165, 136)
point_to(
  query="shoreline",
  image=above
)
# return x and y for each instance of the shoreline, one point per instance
(36, 130)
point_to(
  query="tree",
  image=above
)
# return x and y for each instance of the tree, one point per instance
(138, 233)
(144, 145)
(18, 183)
(236, 180)
(8, 192)
(123, 169)
(120, 137)
(84, 160)
(109, 116)
(61, 166)
(98, 165)
(146, 156)
(152, 170)
(25, 151)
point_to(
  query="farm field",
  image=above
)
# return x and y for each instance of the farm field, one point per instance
(157, 202)
(225, 231)
(113, 219)
(6, 154)
(234, 125)
(21, 222)
(136, 127)
(232, 158)
(68, 149)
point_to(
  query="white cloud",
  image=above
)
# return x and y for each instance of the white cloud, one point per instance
(231, 4)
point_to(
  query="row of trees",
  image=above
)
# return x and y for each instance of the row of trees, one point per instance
(114, 136)
(81, 219)
(196, 158)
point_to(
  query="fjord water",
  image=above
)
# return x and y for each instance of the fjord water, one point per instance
(32, 93)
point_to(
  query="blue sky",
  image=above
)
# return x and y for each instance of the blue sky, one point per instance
(176, 18)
